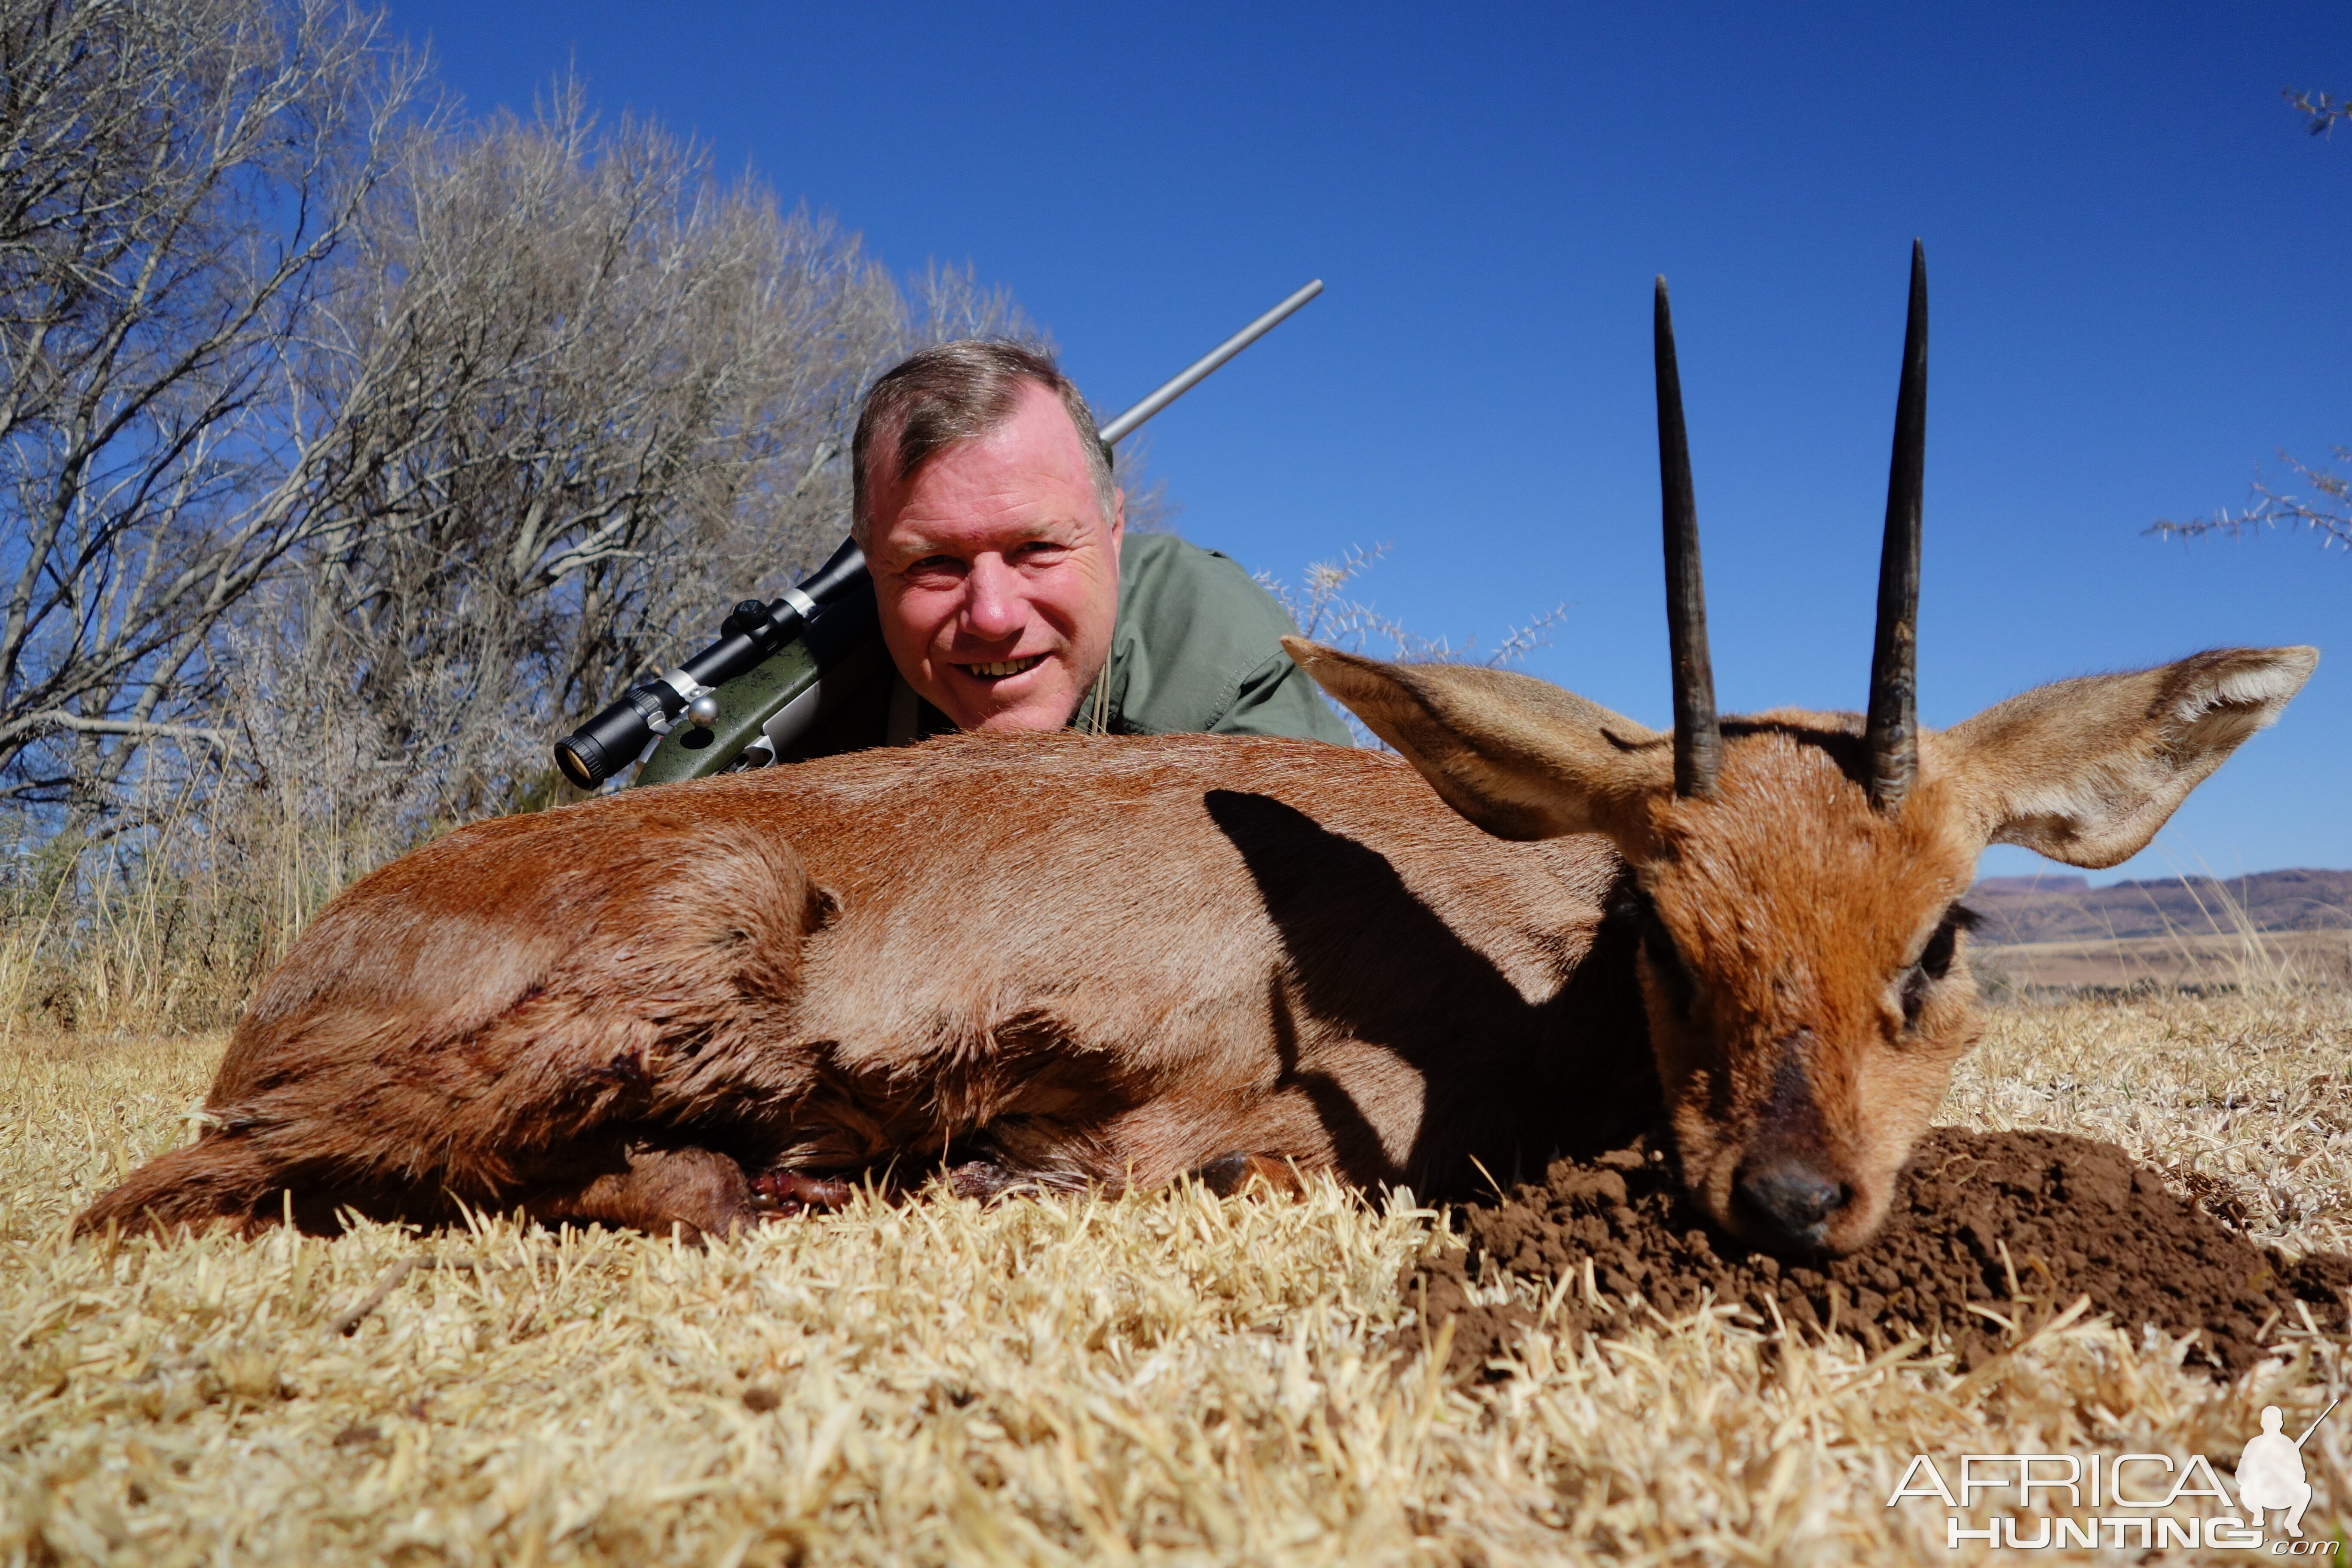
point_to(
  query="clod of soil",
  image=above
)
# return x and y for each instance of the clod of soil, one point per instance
(1981, 1218)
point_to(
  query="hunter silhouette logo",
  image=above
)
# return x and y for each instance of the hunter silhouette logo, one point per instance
(2133, 1500)
(2270, 1472)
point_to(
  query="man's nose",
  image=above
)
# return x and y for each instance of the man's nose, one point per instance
(993, 607)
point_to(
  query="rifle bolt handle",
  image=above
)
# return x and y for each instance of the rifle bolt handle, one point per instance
(703, 711)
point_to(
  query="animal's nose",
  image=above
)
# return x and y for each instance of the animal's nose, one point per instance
(1787, 1203)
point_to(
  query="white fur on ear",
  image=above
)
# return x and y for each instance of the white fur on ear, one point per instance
(2231, 702)
(2086, 771)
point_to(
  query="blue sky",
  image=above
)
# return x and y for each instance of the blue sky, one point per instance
(2139, 262)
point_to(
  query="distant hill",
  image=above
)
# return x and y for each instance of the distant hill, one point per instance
(2068, 908)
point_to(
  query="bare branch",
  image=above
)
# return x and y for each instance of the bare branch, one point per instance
(80, 725)
(2326, 510)
(176, 179)
(2321, 109)
(1321, 611)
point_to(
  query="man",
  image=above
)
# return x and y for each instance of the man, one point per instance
(1011, 596)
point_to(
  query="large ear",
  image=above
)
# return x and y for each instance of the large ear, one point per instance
(2086, 771)
(1517, 756)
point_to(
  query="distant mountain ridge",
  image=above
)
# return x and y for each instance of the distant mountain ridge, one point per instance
(2068, 908)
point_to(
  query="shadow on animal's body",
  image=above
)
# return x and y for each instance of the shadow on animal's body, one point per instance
(1095, 962)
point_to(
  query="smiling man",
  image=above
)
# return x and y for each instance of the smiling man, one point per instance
(1011, 596)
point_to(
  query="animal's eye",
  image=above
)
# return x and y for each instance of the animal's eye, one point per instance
(1934, 961)
(1666, 959)
(1938, 960)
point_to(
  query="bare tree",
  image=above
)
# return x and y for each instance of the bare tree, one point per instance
(578, 374)
(589, 397)
(325, 410)
(176, 179)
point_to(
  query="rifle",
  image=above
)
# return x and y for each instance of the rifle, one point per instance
(779, 666)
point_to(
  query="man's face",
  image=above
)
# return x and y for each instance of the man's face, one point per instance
(997, 578)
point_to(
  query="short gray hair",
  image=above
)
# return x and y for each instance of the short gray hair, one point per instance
(955, 392)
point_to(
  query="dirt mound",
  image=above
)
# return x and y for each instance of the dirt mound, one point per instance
(1983, 1218)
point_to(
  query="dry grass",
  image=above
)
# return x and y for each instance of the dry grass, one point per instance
(2281, 960)
(168, 925)
(1167, 1379)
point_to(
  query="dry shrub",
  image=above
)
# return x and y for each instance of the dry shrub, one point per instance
(169, 924)
(1164, 1378)
(352, 451)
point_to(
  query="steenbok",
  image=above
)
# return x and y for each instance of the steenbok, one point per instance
(1071, 962)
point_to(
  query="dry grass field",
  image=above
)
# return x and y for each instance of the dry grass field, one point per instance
(1162, 1379)
(2211, 959)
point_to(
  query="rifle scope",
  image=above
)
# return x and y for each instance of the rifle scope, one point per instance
(752, 631)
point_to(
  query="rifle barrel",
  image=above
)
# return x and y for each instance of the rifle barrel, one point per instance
(628, 728)
(1125, 423)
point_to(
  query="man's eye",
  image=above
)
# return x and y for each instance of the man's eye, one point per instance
(1039, 552)
(935, 567)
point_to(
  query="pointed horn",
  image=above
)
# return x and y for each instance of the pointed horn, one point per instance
(1698, 740)
(1892, 738)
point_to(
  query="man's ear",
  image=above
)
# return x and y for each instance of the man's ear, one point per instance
(2086, 771)
(1517, 756)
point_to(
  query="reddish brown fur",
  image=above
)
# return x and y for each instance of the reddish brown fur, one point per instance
(1063, 961)
(1800, 907)
(874, 957)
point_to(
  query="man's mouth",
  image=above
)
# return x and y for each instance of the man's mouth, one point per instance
(1000, 668)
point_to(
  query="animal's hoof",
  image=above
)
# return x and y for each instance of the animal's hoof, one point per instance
(984, 1180)
(1239, 1171)
(780, 1193)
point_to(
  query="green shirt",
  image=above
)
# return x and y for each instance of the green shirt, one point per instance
(1197, 650)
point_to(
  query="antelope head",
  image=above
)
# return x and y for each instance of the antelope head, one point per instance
(1798, 875)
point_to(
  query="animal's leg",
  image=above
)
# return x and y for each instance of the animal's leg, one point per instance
(1240, 1170)
(221, 1180)
(699, 1190)
(989, 1179)
(480, 1021)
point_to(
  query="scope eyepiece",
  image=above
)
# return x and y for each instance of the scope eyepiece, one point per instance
(751, 631)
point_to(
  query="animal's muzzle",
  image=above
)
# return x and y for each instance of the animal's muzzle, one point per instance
(1786, 1205)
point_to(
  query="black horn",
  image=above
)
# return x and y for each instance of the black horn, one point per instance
(1698, 740)
(1892, 738)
